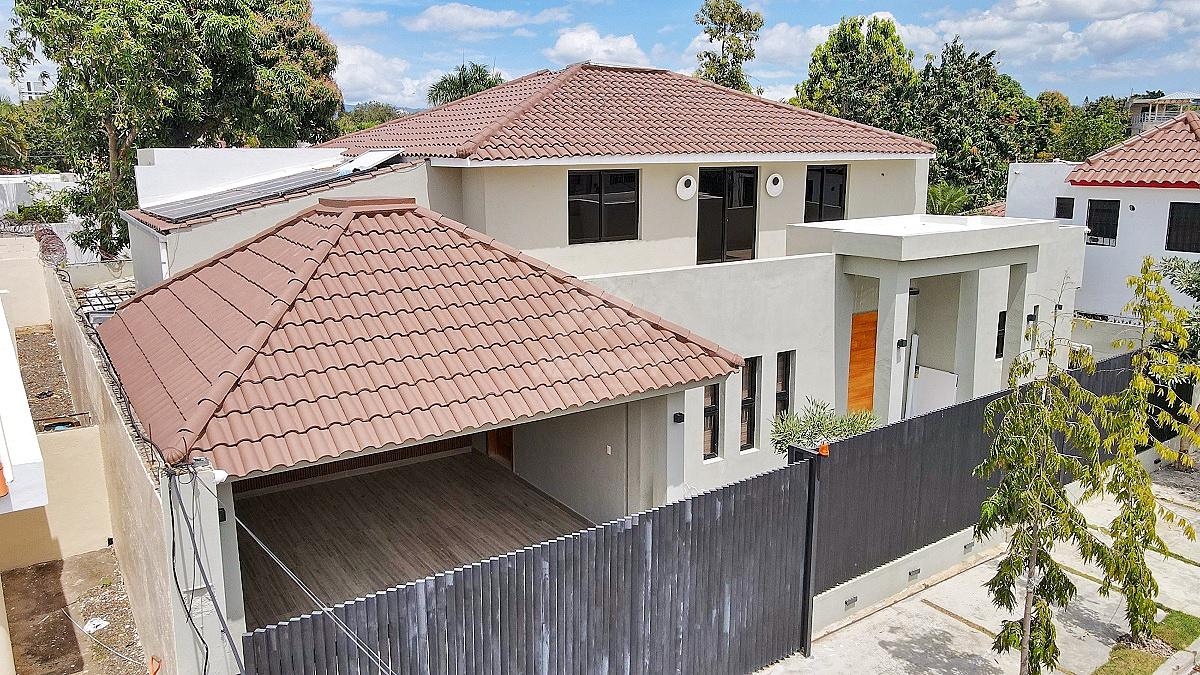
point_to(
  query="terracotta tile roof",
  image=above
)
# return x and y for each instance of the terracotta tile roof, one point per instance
(1165, 156)
(362, 323)
(993, 209)
(164, 225)
(590, 110)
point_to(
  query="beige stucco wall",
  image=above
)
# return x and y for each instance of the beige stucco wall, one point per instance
(933, 315)
(136, 520)
(527, 208)
(75, 518)
(21, 280)
(437, 188)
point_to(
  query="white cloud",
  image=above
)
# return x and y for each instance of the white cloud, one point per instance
(523, 33)
(584, 43)
(1016, 40)
(1112, 37)
(366, 75)
(779, 92)
(456, 17)
(357, 18)
(1070, 10)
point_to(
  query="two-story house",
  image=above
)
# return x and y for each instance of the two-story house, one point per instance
(1139, 198)
(580, 243)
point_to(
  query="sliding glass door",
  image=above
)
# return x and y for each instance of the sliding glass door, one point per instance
(727, 218)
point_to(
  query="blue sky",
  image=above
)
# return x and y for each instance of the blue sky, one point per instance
(391, 51)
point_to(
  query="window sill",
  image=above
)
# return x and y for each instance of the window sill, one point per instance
(712, 460)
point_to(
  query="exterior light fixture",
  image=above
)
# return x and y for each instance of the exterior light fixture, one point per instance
(774, 185)
(685, 189)
(901, 343)
(678, 418)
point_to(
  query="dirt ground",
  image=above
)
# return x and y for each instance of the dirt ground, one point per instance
(42, 372)
(1187, 481)
(46, 601)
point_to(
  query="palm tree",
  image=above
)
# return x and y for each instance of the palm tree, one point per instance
(947, 200)
(469, 78)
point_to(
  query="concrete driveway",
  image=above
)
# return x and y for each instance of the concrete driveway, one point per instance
(949, 627)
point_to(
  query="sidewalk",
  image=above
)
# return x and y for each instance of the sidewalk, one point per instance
(949, 627)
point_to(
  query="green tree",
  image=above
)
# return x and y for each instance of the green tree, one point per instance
(1092, 127)
(120, 64)
(865, 76)
(947, 200)
(735, 29)
(48, 151)
(1161, 360)
(13, 146)
(978, 119)
(366, 115)
(816, 424)
(466, 79)
(1043, 429)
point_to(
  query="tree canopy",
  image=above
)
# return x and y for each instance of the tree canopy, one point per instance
(1092, 127)
(734, 30)
(861, 75)
(466, 79)
(169, 72)
(366, 115)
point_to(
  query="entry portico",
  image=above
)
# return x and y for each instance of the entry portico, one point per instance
(974, 273)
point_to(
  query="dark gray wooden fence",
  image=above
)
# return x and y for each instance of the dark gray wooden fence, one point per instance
(711, 584)
(901, 487)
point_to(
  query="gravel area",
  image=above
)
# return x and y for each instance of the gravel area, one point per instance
(42, 372)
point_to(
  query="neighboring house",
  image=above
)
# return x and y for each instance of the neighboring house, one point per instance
(1147, 113)
(1140, 198)
(31, 90)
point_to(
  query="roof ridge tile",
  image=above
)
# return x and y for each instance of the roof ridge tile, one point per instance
(470, 147)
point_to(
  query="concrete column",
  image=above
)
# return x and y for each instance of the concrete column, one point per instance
(1014, 329)
(891, 360)
(192, 498)
(231, 559)
(843, 320)
(982, 295)
(676, 486)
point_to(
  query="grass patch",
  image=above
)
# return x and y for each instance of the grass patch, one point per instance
(1126, 661)
(1178, 629)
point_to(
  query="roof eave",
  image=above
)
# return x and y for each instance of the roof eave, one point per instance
(679, 158)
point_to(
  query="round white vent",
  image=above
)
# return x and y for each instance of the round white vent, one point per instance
(774, 185)
(686, 188)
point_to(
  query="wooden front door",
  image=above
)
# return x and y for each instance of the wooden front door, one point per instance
(861, 389)
(500, 445)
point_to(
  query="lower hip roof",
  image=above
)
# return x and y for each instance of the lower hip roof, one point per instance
(366, 323)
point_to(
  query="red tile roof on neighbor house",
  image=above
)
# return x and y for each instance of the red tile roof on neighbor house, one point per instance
(363, 323)
(1166, 156)
(592, 110)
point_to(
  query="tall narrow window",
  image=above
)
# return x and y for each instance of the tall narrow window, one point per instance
(712, 421)
(1183, 227)
(727, 214)
(1102, 217)
(783, 382)
(825, 193)
(1064, 208)
(749, 401)
(602, 206)
(1000, 326)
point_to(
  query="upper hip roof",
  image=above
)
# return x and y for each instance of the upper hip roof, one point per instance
(1166, 156)
(365, 323)
(588, 110)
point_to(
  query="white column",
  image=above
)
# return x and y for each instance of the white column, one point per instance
(677, 436)
(843, 324)
(891, 359)
(192, 498)
(982, 295)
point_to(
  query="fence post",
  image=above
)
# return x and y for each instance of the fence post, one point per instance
(812, 457)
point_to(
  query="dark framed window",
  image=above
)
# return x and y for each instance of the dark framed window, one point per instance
(783, 382)
(1000, 326)
(602, 206)
(1183, 227)
(749, 401)
(1064, 207)
(712, 421)
(727, 214)
(1102, 217)
(825, 193)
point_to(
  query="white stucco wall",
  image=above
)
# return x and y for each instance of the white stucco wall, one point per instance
(167, 174)
(188, 246)
(755, 308)
(1142, 231)
(527, 208)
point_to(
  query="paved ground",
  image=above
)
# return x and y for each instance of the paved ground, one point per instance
(948, 627)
